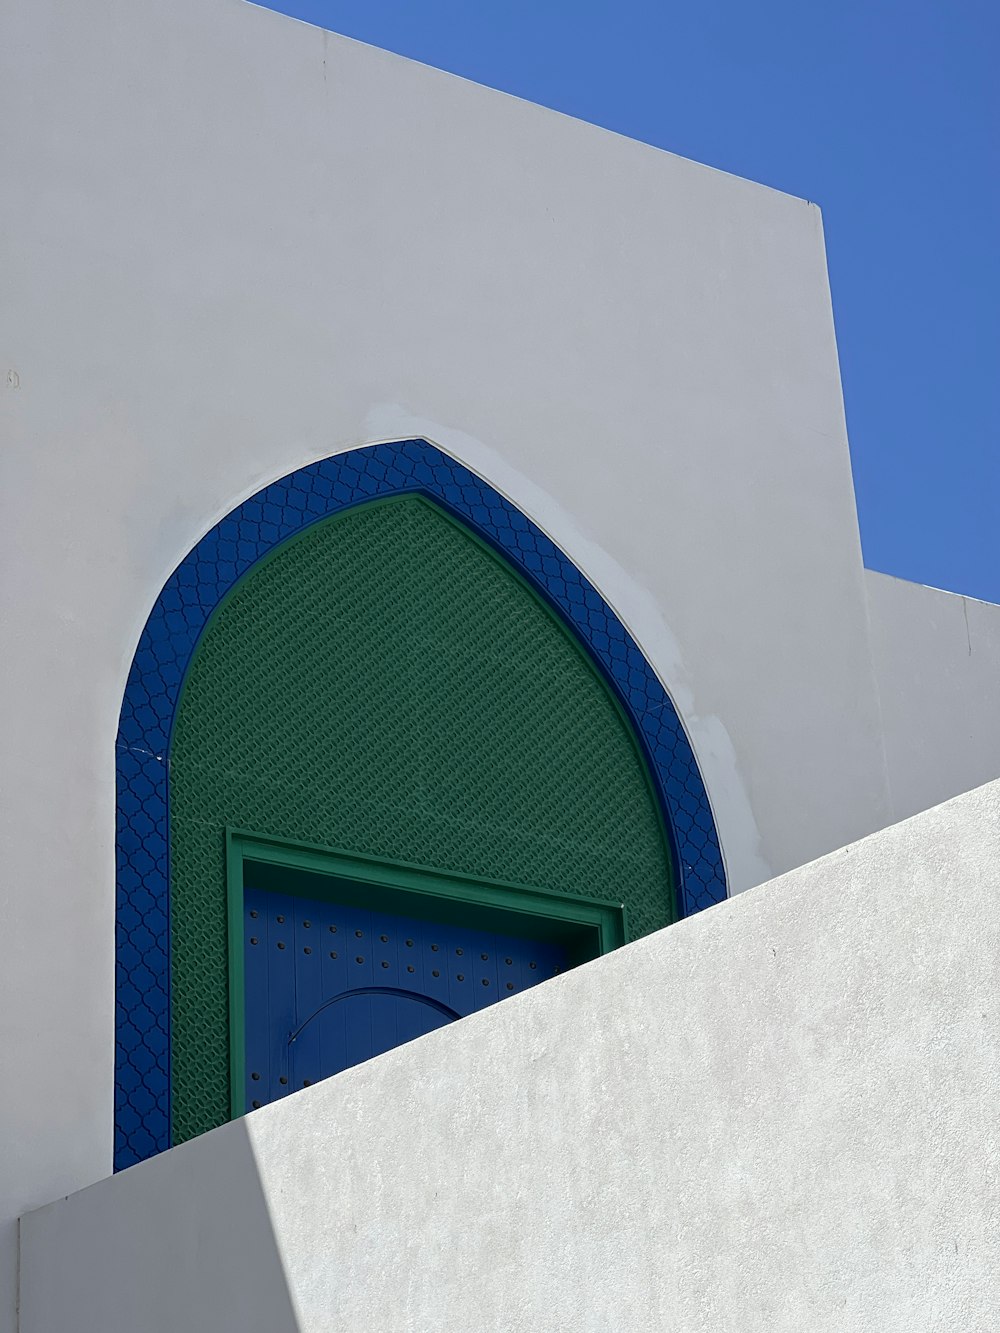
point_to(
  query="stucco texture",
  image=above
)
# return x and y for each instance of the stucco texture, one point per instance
(241, 245)
(779, 1115)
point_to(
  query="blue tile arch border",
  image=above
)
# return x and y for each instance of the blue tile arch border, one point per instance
(197, 585)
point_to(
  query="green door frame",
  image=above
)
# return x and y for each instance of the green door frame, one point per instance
(587, 927)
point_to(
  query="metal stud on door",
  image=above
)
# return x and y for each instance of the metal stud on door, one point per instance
(329, 986)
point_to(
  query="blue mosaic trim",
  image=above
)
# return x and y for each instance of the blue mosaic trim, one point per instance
(191, 594)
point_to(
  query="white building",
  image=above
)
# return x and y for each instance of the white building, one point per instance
(448, 506)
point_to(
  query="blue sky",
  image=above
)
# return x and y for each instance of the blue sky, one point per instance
(884, 112)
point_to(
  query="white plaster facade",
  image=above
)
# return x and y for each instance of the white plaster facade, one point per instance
(779, 1115)
(234, 244)
(937, 662)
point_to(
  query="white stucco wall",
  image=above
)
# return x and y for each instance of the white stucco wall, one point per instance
(937, 663)
(237, 244)
(778, 1116)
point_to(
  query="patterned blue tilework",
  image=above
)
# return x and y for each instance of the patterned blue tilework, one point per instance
(194, 590)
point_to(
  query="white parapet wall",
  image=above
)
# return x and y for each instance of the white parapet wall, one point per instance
(780, 1115)
(937, 665)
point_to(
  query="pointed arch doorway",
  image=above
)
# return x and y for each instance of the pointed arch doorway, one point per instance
(386, 685)
(378, 657)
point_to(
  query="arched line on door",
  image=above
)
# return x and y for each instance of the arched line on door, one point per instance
(398, 991)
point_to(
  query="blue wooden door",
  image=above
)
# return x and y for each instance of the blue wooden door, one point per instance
(329, 986)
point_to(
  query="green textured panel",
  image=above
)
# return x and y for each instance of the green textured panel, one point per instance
(386, 684)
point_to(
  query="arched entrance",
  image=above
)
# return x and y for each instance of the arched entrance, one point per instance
(377, 658)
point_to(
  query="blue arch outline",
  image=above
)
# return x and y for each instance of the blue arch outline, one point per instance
(197, 585)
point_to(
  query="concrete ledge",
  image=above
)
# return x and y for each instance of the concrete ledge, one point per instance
(781, 1115)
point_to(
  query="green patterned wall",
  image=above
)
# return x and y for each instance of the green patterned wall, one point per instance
(386, 684)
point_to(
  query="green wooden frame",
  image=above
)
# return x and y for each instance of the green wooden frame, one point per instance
(587, 927)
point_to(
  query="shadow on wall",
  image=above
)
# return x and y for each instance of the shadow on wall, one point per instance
(778, 1116)
(224, 1262)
